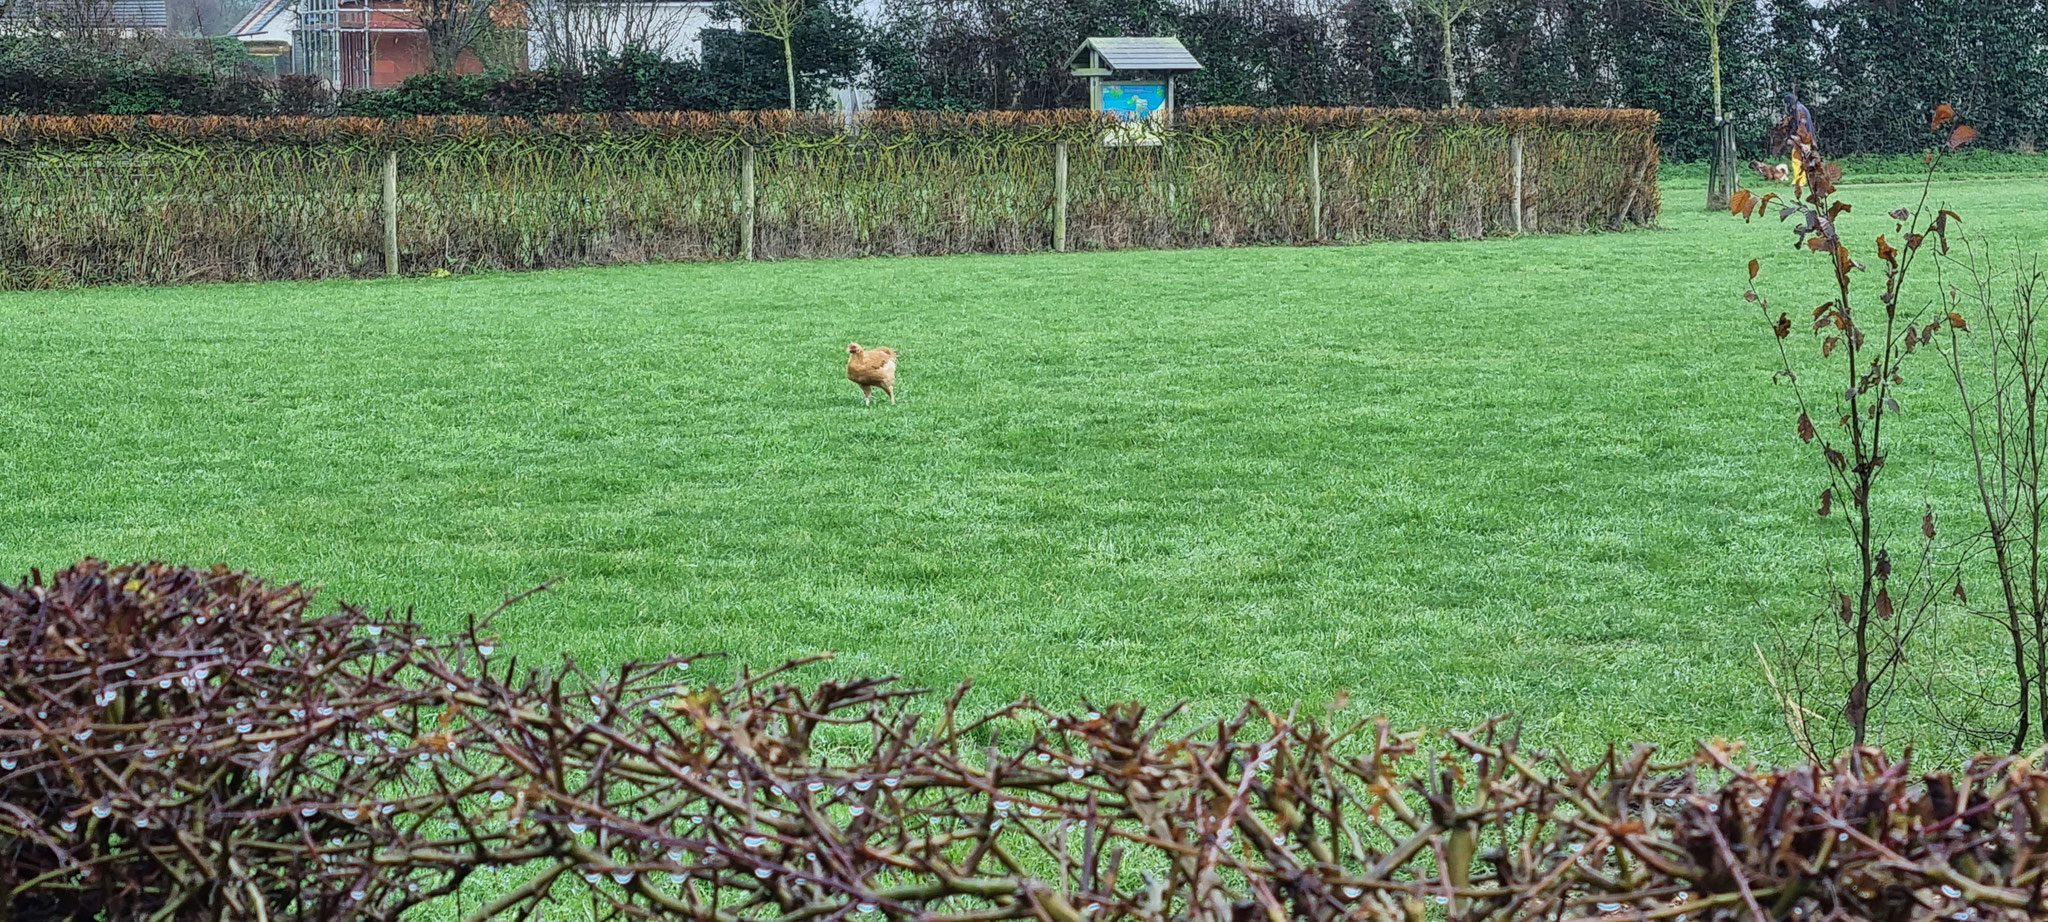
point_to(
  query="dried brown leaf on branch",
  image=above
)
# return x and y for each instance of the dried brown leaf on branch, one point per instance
(1739, 203)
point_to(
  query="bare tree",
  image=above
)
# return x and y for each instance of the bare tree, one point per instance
(1447, 14)
(89, 21)
(567, 32)
(777, 19)
(453, 27)
(199, 17)
(1708, 15)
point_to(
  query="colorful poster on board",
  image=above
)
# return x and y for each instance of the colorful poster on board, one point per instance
(1130, 102)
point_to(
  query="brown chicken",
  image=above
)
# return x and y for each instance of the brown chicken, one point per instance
(872, 368)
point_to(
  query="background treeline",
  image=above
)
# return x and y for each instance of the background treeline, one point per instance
(1988, 57)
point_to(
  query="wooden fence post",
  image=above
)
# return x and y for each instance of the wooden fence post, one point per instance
(747, 202)
(1515, 155)
(391, 213)
(1059, 197)
(1315, 187)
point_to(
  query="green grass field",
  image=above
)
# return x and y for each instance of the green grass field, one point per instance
(1547, 476)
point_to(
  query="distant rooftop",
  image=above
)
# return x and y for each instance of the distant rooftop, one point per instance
(128, 14)
(260, 17)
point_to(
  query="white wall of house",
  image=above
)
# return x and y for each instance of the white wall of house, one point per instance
(675, 27)
(569, 29)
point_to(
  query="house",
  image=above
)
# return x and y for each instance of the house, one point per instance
(349, 44)
(116, 18)
(266, 32)
(377, 44)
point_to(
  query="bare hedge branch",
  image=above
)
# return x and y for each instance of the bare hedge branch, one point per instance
(188, 744)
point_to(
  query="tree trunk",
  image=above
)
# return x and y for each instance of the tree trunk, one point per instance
(1450, 80)
(1721, 174)
(1714, 59)
(789, 69)
(1724, 149)
(437, 47)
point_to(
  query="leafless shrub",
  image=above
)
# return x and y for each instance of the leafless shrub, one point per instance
(1994, 347)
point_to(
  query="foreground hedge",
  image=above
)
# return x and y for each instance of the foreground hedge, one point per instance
(95, 199)
(185, 744)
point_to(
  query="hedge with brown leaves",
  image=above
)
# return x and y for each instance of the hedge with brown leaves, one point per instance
(765, 127)
(106, 199)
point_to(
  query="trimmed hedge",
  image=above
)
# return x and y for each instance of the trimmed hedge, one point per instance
(103, 199)
(775, 125)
